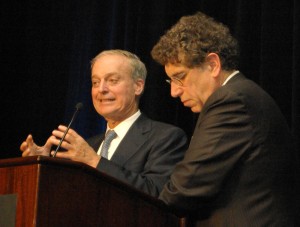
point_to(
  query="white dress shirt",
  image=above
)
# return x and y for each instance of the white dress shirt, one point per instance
(121, 130)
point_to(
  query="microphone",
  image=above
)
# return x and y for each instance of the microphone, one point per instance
(78, 107)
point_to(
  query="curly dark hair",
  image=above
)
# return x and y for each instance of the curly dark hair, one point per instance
(193, 37)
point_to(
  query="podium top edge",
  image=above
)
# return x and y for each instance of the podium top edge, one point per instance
(35, 160)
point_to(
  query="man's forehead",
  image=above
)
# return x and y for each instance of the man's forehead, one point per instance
(174, 68)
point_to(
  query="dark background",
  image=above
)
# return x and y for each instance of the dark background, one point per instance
(46, 48)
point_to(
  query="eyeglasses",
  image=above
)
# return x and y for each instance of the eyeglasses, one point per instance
(177, 79)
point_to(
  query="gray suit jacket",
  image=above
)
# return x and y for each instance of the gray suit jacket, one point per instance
(239, 168)
(146, 156)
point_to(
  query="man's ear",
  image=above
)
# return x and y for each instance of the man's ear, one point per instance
(139, 85)
(214, 63)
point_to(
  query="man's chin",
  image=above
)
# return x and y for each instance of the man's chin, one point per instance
(196, 109)
(106, 112)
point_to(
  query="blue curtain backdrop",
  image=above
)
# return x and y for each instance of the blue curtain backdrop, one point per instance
(46, 48)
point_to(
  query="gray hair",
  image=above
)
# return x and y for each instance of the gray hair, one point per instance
(139, 70)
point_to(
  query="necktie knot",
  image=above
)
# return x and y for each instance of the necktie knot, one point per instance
(110, 135)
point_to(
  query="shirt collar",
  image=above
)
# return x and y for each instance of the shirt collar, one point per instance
(230, 76)
(122, 128)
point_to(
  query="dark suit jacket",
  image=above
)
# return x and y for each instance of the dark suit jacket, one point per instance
(146, 156)
(239, 168)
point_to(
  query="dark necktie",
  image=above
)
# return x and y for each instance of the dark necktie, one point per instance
(110, 135)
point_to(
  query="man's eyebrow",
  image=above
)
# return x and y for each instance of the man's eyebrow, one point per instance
(106, 75)
(178, 74)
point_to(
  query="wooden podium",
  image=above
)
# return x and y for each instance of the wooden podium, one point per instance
(56, 192)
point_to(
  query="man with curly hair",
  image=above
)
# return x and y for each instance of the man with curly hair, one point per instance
(239, 169)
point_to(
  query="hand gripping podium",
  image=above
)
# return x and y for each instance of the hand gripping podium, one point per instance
(52, 192)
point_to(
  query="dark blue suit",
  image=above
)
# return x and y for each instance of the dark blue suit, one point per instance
(146, 156)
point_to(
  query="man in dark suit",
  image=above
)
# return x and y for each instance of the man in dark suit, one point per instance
(143, 152)
(239, 169)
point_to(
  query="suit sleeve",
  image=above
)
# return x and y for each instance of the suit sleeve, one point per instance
(165, 147)
(222, 136)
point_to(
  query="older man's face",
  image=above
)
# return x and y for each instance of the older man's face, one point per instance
(114, 92)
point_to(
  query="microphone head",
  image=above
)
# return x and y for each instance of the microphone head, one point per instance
(79, 106)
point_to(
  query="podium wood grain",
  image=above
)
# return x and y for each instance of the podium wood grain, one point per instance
(57, 192)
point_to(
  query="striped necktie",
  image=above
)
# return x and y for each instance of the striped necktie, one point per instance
(110, 135)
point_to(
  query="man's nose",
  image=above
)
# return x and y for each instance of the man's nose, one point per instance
(176, 90)
(103, 86)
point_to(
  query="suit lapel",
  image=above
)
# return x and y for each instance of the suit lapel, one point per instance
(133, 140)
(96, 141)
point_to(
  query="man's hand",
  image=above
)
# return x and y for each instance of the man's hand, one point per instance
(29, 148)
(77, 149)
